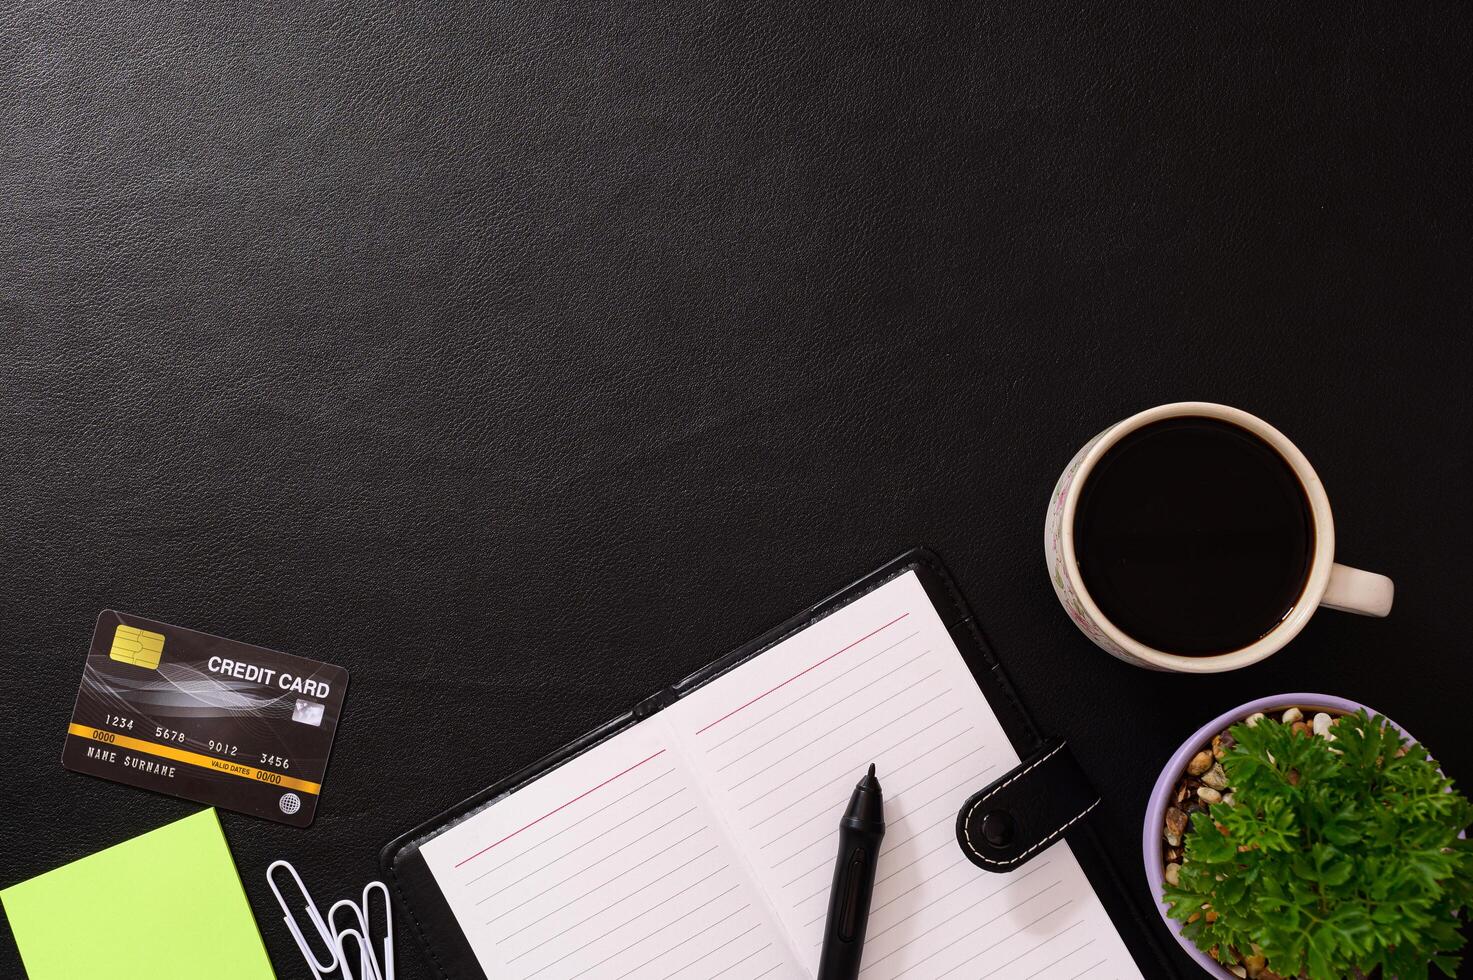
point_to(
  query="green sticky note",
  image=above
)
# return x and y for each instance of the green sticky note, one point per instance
(165, 905)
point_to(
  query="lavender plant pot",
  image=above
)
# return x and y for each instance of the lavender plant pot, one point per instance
(1151, 845)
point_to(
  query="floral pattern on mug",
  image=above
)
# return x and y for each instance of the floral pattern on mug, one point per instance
(1054, 548)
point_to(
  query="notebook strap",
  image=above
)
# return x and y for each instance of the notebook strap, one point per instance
(1007, 822)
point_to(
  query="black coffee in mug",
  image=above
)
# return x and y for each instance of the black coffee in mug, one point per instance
(1193, 536)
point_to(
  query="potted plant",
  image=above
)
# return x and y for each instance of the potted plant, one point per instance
(1305, 836)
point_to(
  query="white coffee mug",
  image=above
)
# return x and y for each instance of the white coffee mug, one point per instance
(1328, 584)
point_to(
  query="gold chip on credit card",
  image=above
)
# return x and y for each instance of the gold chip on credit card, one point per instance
(140, 648)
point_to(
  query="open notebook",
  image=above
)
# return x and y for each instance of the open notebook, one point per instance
(699, 842)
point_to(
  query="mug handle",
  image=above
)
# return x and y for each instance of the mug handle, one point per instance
(1354, 591)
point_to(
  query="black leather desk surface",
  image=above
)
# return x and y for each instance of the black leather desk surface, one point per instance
(522, 359)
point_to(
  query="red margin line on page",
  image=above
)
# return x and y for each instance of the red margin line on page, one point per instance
(802, 672)
(563, 807)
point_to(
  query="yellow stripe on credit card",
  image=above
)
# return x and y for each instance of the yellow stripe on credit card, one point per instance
(194, 758)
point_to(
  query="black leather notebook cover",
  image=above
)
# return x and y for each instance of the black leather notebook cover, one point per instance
(446, 946)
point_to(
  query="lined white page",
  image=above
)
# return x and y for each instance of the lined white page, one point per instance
(700, 843)
(781, 741)
(609, 868)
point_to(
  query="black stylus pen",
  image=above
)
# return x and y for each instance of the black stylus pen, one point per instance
(860, 833)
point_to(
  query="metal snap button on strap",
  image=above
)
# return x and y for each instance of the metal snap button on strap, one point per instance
(998, 828)
(1007, 822)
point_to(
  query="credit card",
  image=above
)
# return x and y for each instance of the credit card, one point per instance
(205, 718)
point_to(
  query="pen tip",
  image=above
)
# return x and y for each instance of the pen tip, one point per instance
(871, 770)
